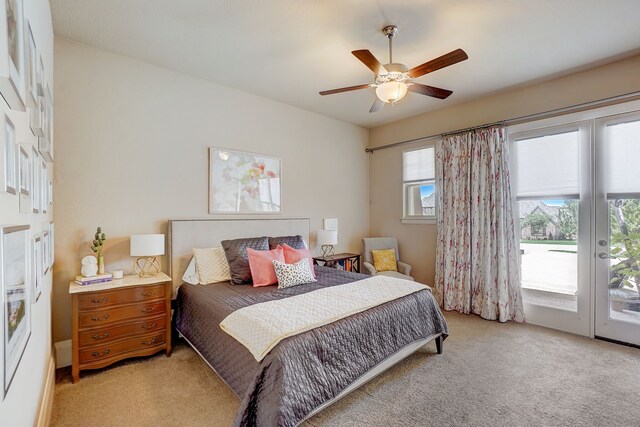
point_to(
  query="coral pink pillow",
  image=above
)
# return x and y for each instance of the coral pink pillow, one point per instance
(261, 266)
(291, 256)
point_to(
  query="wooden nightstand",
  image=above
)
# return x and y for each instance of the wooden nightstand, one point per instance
(346, 261)
(116, 320)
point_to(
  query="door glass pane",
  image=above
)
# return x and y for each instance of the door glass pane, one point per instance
(549, 252)
(624, 267)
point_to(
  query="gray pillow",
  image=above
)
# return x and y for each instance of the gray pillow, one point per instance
(295, 242)
(236, 253)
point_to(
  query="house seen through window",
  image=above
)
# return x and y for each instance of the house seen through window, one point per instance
(419, 188)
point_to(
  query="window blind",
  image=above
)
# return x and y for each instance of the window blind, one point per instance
(622, 174)
(548, 166)
(418, 165)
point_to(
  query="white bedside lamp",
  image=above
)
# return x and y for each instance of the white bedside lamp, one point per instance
(147, 247)
(326, 239)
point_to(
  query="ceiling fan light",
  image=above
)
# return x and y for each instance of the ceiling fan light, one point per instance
(391, 92)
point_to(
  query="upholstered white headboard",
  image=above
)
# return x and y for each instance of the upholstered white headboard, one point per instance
(184, 235)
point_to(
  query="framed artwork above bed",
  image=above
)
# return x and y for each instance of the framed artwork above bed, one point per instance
(243, 183)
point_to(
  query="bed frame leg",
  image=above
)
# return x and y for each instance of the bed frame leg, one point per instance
(439, 341)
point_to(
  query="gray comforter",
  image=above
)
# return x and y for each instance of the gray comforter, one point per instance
(304, 371)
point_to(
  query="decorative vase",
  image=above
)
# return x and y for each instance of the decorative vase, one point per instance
(100, 264)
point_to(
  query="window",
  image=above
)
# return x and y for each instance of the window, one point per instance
(418, 184)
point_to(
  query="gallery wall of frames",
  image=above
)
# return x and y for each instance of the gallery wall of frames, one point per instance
(26, 198)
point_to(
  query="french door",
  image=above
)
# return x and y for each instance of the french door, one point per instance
(552, 186)
(617, 228)
(576, 184)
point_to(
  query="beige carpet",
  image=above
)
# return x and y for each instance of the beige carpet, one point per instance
(490, 374)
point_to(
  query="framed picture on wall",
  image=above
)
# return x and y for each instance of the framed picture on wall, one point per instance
(52, 251)
(44, 254)
(41, 82)
(12, 47)
(45, 143)
(10, 158)
(24, 175)
(244, 183)
(36, 267)
(44, 206)
(36, 115)
(15, 308)
(31, 59)
(50, 193)
(35, 180)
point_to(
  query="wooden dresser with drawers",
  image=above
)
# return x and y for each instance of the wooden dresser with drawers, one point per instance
(116, 320)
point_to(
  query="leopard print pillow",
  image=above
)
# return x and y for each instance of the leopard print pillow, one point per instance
(293, 274)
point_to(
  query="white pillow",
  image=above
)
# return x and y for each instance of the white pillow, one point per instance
(190, 275)
(212, 265)
(295, 274)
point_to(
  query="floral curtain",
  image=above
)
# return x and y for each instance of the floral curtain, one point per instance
(477, 254)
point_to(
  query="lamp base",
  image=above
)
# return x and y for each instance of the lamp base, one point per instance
(327, 251)
(146, 266)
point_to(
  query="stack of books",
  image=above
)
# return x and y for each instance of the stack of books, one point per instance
(100, 278)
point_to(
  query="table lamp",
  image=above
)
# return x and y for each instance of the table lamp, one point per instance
(147, 247)
(326, 239)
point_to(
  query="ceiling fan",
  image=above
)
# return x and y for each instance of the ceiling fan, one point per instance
(393, 80)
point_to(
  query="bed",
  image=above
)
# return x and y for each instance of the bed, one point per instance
(306, 372)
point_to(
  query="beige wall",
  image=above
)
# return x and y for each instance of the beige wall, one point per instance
(21, 404)
(417, 242)
(131, 153)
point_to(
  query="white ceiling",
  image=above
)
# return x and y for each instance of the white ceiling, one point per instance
(289, 50)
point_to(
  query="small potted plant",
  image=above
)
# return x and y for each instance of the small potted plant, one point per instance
(96, 247)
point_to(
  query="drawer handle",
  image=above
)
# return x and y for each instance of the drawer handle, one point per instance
(98, 318)
(99, 337)
(99, 354)
(148, 294)
(101, 300)
(148, 310)
(153, 341)
(153, 325)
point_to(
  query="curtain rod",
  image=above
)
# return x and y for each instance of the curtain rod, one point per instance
(632, 96)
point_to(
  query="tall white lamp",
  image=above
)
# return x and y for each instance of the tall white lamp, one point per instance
(326, 239)
(147, 247)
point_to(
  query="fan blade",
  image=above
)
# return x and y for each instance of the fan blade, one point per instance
(377, 106)
(436, 92)
(369, 60)
(435, 64)
(343, 89)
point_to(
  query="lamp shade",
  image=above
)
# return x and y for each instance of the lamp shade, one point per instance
(391, 92)
(147, 245)
(327, 237)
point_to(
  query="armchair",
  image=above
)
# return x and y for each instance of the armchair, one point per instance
(369, 243)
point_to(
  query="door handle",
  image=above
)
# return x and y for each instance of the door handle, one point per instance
(603, 255)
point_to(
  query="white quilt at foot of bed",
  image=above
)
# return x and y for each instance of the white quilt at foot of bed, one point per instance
(260, 327)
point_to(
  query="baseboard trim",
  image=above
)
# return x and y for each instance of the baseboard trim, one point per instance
(46, 403)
